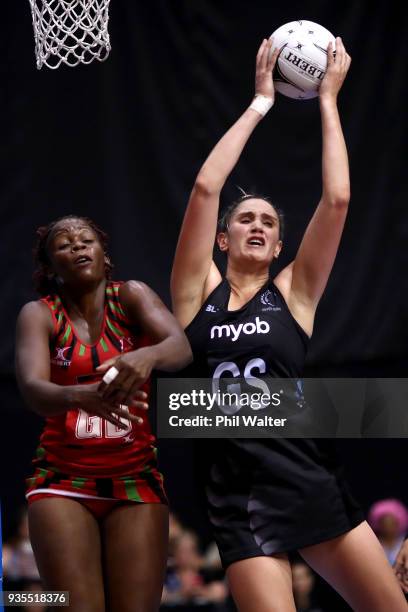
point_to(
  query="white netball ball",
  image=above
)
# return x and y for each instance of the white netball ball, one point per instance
(302, 60)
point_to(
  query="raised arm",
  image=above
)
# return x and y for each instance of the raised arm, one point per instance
(194, 274)
(169, 351)
(304, 281)
(34, 329)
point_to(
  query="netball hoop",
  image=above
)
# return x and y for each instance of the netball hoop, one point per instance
(70, 31)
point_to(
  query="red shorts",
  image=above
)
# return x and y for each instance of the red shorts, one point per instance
(99, 508)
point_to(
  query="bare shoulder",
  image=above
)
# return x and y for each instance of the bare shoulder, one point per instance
(186, 308)
(283, 281)
(35, 312)
(135, 291)
(140, 302)
(302, 313)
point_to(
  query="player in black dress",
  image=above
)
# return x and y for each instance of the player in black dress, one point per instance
(268, 497)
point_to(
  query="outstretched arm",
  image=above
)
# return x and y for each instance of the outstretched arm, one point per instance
(314, 260)
(194, 275)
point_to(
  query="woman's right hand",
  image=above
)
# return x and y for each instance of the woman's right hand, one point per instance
(265, 64)
(338, 65)
(90, 400)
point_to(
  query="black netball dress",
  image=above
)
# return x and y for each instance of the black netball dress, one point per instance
(266, 495)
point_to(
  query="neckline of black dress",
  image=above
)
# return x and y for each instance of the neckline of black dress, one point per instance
(263, 288)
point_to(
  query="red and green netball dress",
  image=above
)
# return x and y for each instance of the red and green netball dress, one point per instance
(84, 455)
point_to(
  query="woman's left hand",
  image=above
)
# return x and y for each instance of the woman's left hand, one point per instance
(337, 68)
(134, 369)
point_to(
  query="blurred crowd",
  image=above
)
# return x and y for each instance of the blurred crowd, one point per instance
(195, 579)
(20, 571)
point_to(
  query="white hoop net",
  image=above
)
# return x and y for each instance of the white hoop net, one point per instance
(70, 31)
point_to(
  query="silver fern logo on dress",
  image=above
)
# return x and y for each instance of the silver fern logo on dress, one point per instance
(268, 299)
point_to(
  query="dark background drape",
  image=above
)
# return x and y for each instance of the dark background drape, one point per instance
(122, 141)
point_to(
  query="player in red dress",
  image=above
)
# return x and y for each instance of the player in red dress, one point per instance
(97, 509)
